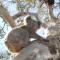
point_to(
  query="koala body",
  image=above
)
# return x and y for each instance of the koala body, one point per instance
(19, 37)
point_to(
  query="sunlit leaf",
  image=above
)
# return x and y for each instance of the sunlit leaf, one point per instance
(18, 8)
(29, 1)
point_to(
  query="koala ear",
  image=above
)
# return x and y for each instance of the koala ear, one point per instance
(28, 18)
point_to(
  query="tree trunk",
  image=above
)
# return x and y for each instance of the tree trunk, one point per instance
(52, 18)
(4, 14)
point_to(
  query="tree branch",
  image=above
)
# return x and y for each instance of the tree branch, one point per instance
(25, 13)
(51, 15)
(4, 14)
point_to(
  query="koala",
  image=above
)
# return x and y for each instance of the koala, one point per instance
(19, 37)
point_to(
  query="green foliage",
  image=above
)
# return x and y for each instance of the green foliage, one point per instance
(4, 55)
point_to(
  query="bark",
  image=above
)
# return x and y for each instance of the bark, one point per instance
(52, 18)
(50, 4)
(35, 51)
(4, 14)
(19, 14)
